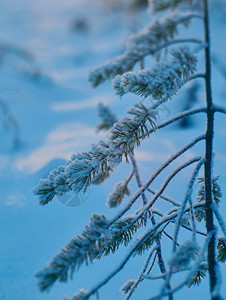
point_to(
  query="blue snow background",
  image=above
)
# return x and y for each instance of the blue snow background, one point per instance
(56, 110)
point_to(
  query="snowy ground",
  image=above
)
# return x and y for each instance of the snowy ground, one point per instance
(56, 110)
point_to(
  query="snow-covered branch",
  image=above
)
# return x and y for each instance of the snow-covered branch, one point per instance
(218, 108)
(154, 175)
(83, 168)
(148, 234)
(163, 80)
(140, 277)
(192, 270)
(165, 197)
(187, 199)
(164, 185)
(197, 76)
(102, 236)
(161, 261)
(159, 213)
(159, 35)
(180, 116)
(219, 218)
(120, 191)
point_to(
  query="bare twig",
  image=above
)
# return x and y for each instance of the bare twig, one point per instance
(187, 199)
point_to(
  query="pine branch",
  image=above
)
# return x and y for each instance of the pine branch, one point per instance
(151, 266)
(170, 237)
(78, 251)
(102, 237)
(148, 234)
(197, 231)
(100, 177)
(83, 168)
(211, 256)
(119, 233)
(96, 240)
(81, 296)
(127, 286)
(95, 166)
(199, 275)
(31, 67)
(99, 238)
(197, 76)
(159, 35)
(120, 191)
(162, 81)
(130, 131)
(221, 247)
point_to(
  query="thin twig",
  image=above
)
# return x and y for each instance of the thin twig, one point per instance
(152, 264)
(219, 218)
(154, 175)
(157, 212)
(165, 197)
(174, 42)
(165, 183)
(145, 235)
(161, 262)
(170, 237)
(187, 198)
(127, 180)
(191, 273)
(137, 176)
(218, 108)
(140, 277)
(179, 116)
(196, 76)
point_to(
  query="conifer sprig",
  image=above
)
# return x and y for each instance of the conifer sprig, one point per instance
(199, 275)
(116, 197)
(200, 213)
(78, 251)
(83, 168)
(158, 36)
(221, 250)
(98, 239)
(162, 81)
